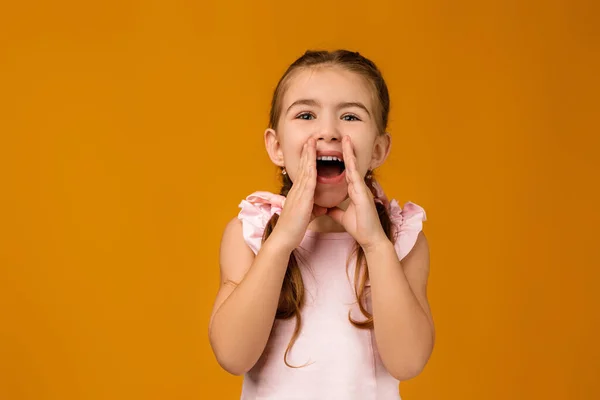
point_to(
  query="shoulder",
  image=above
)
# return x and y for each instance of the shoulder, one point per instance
(256, 210)
(407, 222)
(235, 257)
(408, 216)
(233, 237)
(420, 250)
(232, 229)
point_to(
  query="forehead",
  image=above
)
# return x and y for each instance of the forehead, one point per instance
(328, 85)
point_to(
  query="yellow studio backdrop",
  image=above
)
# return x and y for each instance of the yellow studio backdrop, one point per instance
(130, 131)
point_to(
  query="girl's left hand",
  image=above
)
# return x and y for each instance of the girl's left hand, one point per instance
(360, 218)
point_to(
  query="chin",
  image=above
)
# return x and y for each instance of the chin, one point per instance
(330, 198)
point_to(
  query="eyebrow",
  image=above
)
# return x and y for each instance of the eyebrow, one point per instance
(314, 103)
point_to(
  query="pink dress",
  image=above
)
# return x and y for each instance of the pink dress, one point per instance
(341, 361)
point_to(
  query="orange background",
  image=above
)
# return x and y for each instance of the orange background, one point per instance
(131, 131)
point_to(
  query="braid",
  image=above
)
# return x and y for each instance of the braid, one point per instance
(291, 298)
(361, 272)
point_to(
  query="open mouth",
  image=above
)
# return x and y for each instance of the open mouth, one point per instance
(330, 166)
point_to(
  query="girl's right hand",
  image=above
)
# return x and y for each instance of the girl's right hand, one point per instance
(299, 208)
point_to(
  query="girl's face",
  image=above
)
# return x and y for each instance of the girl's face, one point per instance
(327, 103)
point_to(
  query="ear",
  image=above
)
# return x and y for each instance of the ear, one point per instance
(273, 146)
(381, 150)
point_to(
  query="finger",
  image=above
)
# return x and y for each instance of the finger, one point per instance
(300, 173)
(356, 184)
(304, 169)
(337, 214)
(302, 165)
(318, 211)
(349, 160)
(311, 168)
(312, 153)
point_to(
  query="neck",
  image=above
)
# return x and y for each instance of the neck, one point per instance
(325, 224)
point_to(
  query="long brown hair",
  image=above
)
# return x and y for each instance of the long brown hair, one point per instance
(291, 299)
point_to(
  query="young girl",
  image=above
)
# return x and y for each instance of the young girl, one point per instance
(323, 286)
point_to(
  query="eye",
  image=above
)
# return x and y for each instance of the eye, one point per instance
(305, 115)
(350, 117)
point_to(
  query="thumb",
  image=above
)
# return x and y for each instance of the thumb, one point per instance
(336, 214)
(318, 211)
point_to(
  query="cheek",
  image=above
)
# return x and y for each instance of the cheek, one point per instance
(292, 154)
(292, 140)
(363, 149)
(364, 162)
(292, 150)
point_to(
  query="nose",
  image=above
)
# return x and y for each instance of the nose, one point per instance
(328, 131)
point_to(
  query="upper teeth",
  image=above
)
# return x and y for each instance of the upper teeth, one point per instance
(328, 158)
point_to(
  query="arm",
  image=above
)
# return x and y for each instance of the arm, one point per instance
(243, 315)
(404, 328)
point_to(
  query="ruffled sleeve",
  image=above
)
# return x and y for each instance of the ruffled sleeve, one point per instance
(407, 223)
(256, 211)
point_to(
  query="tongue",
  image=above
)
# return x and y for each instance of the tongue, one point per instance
(328, 170)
